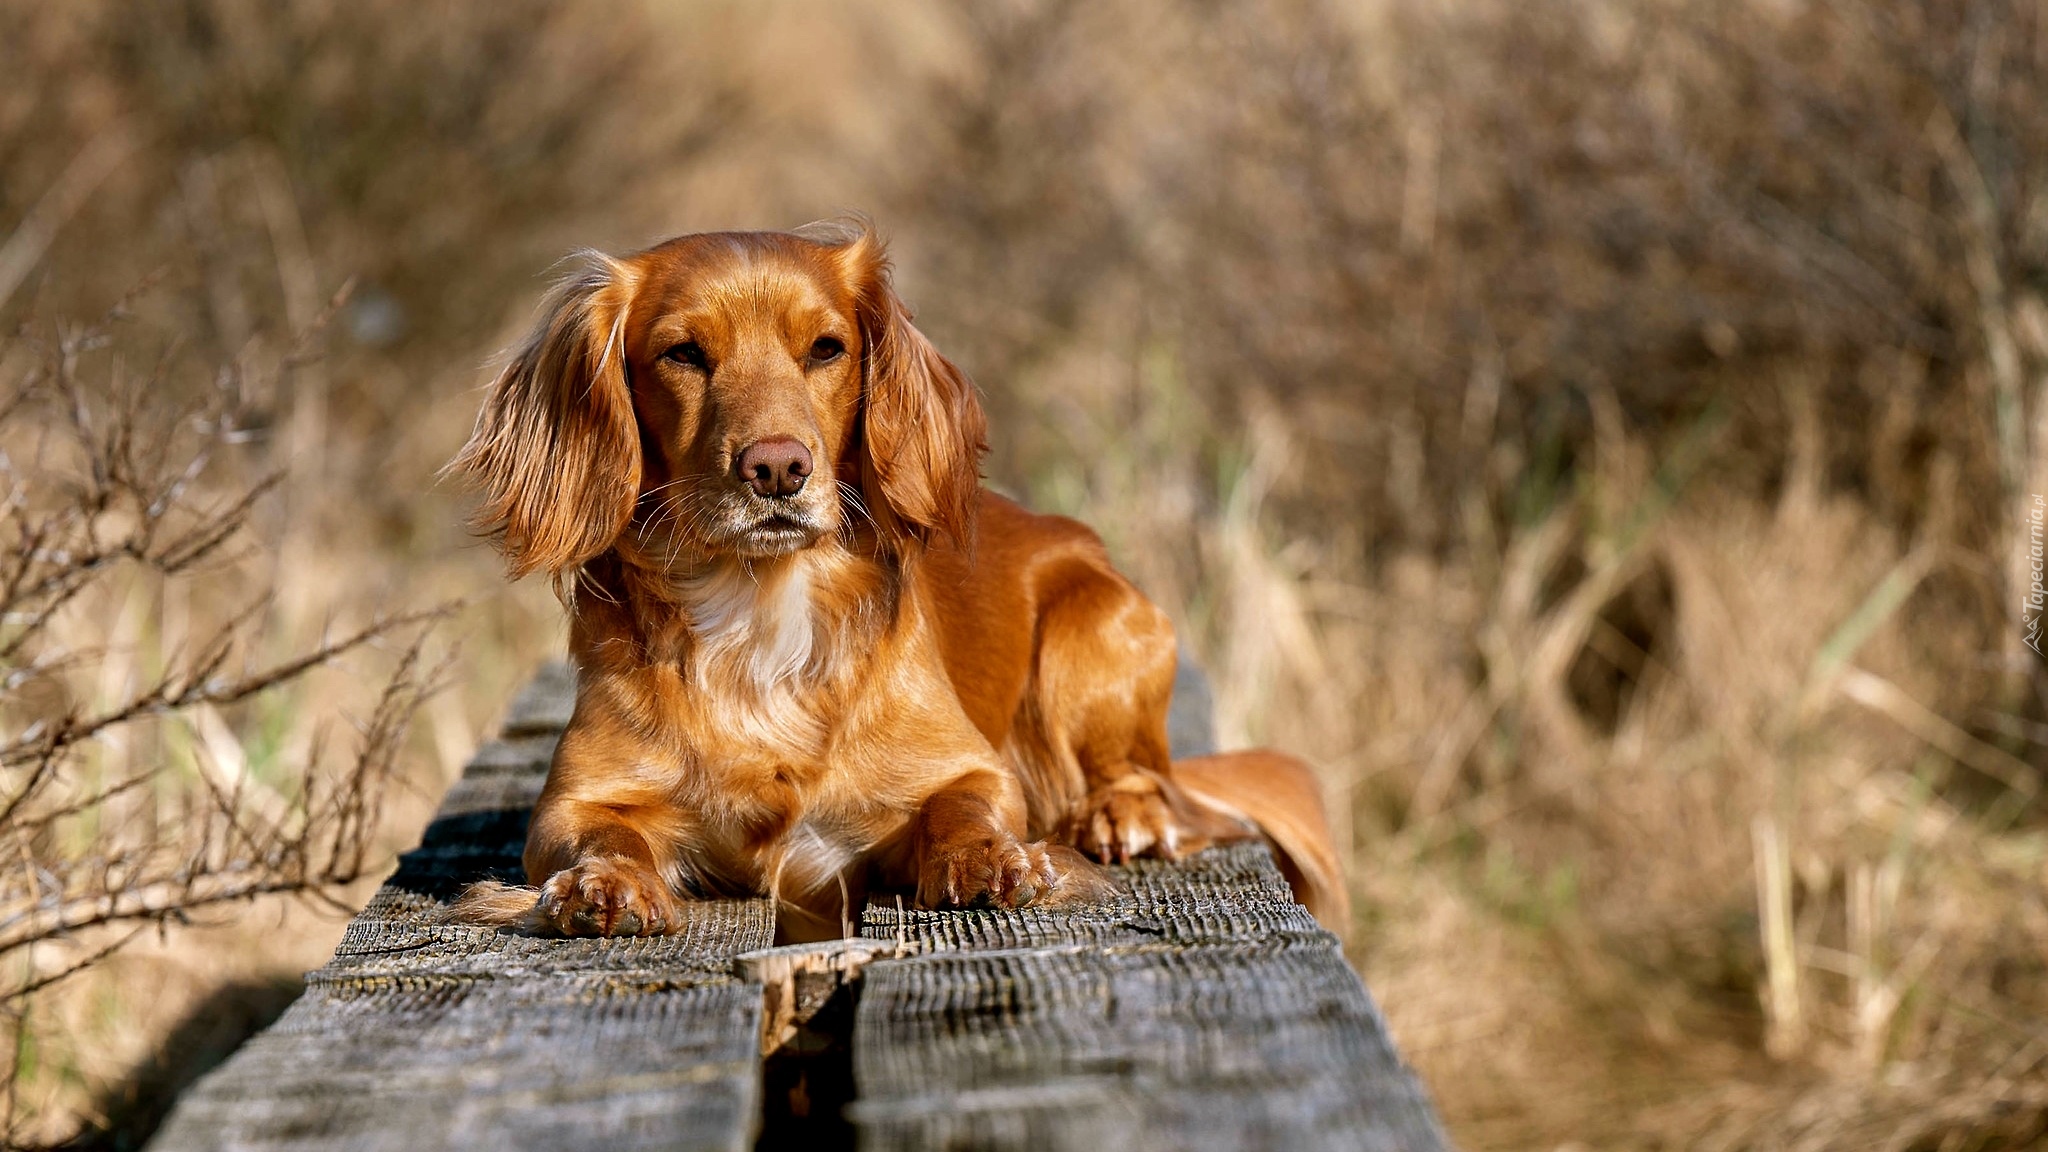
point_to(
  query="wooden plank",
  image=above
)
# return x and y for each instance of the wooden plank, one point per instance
(421, 1035)
(1201, 1009)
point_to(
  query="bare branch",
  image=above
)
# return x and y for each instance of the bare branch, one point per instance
(111, 819)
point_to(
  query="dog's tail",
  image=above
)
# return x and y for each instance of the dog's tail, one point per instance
(1281, 795)
(491, 904)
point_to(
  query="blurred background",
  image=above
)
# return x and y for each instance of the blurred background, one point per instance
(1604, 435)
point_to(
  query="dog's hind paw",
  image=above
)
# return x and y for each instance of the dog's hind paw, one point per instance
(1137, 814)
(1002, 873)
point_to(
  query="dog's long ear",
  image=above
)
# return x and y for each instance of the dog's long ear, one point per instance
(922, 432)
(556, 448)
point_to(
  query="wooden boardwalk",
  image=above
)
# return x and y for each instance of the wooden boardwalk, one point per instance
(1200, 1009)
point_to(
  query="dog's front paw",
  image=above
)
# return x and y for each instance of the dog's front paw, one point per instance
(997, 872)
(608, 896)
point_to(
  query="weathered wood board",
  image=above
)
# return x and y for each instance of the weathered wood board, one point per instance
(424, 1036)
(1200, 1009)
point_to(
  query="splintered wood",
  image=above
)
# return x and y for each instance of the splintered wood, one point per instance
(798, 979)
(1199, 1008)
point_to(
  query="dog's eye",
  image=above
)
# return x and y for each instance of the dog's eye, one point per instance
(826, 349)
(687, 353)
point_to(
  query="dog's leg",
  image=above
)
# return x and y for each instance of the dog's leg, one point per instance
(1101, 686)
(596, 872)
(594, 876)
(970, 852)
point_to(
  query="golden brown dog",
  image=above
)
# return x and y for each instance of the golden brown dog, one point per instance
(814, 656)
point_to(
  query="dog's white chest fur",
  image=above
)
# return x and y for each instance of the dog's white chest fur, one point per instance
(753, 624)
(758, 649)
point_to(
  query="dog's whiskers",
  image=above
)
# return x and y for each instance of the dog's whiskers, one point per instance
(851, 494)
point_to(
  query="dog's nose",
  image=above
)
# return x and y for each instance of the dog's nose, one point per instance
(776, 466)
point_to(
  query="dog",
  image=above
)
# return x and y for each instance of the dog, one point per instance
(815, 657)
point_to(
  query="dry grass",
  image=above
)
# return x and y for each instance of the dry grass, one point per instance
(1599, 433)
(1778, 903)
(162, 762)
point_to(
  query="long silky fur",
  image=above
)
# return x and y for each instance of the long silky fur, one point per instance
(1081, 880)
(495, 904)
(1280, 795)
(556, 447)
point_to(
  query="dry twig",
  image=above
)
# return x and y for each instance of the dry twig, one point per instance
(105, 829)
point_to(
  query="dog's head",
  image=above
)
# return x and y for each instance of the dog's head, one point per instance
(726, 394)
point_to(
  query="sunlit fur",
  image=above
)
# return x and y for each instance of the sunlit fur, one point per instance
(890, 679)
